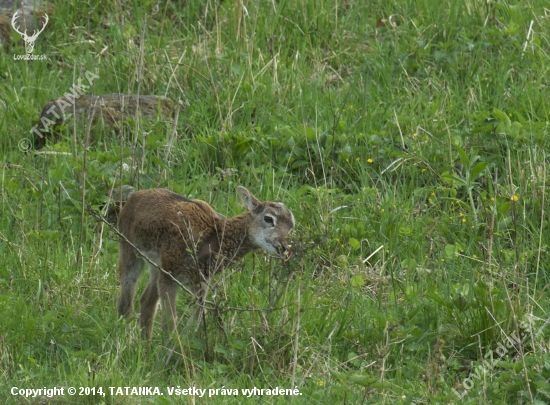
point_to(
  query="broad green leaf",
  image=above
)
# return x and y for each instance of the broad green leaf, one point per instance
(412, 313)
(457, 201)
(434, 296)
(449, 178)
(354, 243)
(408, 264)
(451, 250)
(364, 380)
(353, 359)
(352, 355)
(309, 133)
(357, 281)
(464, 159)
(477, 169)
(502, 117)
(504, 208)
(159, 162)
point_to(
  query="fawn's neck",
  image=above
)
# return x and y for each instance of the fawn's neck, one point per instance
(234, 238)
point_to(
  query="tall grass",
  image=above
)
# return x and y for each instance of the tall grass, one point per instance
(409, 138)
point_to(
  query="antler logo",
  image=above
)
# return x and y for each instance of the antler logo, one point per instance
(29, 40)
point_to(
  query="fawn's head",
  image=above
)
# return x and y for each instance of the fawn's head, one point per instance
(272, 222)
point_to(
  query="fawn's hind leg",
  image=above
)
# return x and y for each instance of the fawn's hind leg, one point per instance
(130, 268)
(197, 317)
(149, 303)
(168, 290)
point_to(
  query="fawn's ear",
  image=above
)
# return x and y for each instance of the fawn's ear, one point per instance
(249, 201)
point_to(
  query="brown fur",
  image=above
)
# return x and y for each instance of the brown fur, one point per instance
(111, 110)
(192, 242)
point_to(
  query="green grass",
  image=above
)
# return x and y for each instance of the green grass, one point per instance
(409, 138)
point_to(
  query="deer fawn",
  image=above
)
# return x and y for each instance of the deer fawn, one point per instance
(190, 242)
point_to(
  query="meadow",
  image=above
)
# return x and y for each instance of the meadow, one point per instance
(409, 139)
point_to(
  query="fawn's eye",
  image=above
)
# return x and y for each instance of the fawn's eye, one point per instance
(269, 220)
